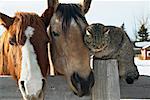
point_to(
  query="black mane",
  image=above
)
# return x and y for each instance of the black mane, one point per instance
(67, 12)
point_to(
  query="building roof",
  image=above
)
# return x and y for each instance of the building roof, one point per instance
(147, 46)
(142, 44)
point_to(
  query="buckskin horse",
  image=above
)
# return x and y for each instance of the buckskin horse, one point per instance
(70, 56)
(24, 48)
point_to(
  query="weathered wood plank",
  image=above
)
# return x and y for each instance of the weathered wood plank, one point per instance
(57, 89)
(107, 80)
(139, 90)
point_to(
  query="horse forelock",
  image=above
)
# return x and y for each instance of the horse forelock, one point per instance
(24, 20)
(69, 12)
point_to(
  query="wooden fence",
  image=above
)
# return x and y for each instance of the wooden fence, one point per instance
(106, 86)
(107, 80)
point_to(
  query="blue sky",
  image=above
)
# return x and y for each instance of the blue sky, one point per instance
(108, 12)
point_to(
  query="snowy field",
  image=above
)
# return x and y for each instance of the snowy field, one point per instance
(143, 66)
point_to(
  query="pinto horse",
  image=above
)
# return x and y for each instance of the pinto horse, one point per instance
(69, 54)
(24, 51)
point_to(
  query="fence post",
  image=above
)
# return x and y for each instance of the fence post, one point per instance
(107, 80)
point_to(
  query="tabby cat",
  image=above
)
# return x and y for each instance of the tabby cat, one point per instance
(110, 42)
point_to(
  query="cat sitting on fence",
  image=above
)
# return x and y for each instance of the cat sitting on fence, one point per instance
(110, 42)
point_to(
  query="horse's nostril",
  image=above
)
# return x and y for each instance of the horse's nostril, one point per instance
(44, 83)
(43, 88)
(22, 85)
(91, 79)
(82, 85)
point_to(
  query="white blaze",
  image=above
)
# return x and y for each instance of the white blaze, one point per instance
(30, 70)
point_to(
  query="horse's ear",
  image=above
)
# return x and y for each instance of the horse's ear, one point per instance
(46, 16)
(52, 3)
(85, 5)
(48, 13)
(5, 20)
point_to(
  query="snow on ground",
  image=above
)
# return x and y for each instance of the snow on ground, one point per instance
(143, 66)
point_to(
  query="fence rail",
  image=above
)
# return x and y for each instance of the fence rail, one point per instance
(57, 88)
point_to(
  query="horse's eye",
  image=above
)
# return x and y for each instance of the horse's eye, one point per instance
(12, 40)
(55, 33)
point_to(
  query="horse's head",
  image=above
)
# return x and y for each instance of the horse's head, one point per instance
(69, 54)
(27, 52)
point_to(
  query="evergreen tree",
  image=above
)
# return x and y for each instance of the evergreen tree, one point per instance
(143, 33)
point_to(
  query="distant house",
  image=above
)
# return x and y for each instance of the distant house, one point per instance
(145, 52)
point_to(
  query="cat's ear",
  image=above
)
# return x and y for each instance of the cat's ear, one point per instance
(107, 32)
(88, 33)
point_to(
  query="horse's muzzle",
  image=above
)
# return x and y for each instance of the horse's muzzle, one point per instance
(82, 85)
(26, 88)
